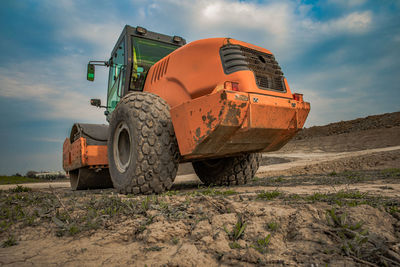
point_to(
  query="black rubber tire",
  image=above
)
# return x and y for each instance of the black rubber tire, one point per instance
(150, 162)
(228, 171)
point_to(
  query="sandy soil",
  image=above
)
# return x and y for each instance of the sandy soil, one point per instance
(317, 202)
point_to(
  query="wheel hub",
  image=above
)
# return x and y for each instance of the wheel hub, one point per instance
(122, 147)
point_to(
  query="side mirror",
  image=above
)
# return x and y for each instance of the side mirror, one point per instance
(95, 102)
(90, 72)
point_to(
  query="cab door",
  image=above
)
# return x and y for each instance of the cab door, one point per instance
(116, 78)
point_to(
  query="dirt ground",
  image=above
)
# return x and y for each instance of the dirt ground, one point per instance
(328, 198)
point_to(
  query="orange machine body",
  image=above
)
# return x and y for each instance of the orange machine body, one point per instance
(227, 123)
(78, 154)
(210, 121)
(211, 118)
(195, 70)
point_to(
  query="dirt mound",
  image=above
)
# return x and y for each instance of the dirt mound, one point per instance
(365, 133)
(198, 227)
(372, 161)
(387, 120)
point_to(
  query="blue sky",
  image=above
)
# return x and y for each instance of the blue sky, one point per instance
(344, 55)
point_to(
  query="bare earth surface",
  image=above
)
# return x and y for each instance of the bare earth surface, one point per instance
(329, 197)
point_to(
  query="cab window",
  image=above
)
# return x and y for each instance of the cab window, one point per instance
(116, 78)
(145, 53)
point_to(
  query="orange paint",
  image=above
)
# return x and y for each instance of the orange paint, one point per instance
(214, 114)
(195, 70)
(79, 154)
(226, 123)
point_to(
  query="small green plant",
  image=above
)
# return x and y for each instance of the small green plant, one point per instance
(261, 245)
(212, 192)
(317, 197)
(20, 188)
(350, 194)
(234, 245)
(332, 173)
(238, 229)
(277, 180)
(392, 209)
(9, 242)
(144, 224)
(171, 193)
(353, 237)
(269, 195)
(272, 226)
(392, 172)
(146, 203)
(353, 176)
(175, 240)
(334, 219)
(73, 229)
(229, 192)
(154, 248)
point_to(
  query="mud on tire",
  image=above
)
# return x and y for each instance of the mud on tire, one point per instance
(228, 171)
(142, 149)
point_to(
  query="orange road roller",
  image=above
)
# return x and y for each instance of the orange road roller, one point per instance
(216, 102)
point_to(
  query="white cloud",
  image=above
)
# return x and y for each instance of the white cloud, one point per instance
(347, 3)
(55, 93)
(356, 22)
(100, 29)
(284, 27)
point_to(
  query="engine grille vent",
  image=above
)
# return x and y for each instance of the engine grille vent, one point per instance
(266, 70)
(232, 59)
(160, 70)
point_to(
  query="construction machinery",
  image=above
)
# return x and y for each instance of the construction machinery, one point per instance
(215, 102)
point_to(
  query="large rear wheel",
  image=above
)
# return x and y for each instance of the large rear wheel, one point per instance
(142, 149)
(227, 171)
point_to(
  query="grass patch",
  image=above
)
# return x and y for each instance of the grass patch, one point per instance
(272, 226)
(276, 180)
(175, 240)
(97, 212)
(154, 248)
(234, 245)
(24, 209)
(18, 180)
(20, 188)
(146, 204)
(269, 195)
(350, 198)
(171, 193)
(351, 235)
(238, 229)
(392, 172)
(213, 192)
(68, 215)
(261, 245)
(9, 242)
(332, 178)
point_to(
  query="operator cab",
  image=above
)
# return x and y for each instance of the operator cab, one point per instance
(136, 51)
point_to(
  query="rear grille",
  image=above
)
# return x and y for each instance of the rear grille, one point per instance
(232, 59)
(266, 70)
